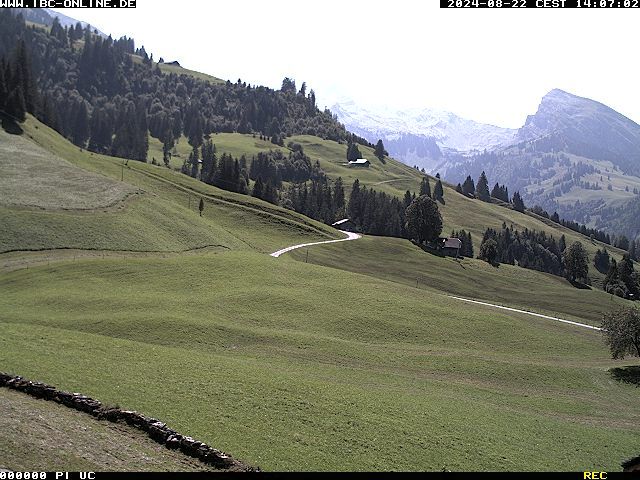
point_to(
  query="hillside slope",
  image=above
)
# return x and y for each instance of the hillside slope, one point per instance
(50, 437)
(222, 343)
(164, 217)
(395, 178)
(408, 380)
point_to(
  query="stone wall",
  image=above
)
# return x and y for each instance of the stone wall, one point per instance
(157, 430)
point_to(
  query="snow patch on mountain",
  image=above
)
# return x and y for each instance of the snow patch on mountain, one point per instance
(450, 131)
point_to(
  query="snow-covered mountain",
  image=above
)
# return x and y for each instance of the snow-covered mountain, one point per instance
(449, 131)
(584, 127)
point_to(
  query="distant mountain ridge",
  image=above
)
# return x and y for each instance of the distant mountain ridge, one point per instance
(575, 156)
(449, 131)
(584, 127)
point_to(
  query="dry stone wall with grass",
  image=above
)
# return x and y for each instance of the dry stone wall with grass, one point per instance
(156, 429)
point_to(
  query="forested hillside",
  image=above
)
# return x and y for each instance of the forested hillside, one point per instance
(105, 94)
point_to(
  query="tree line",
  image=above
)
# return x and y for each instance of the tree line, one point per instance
(536, 251)
(480, 190)
(106, 95)
(621, 278)
(501, 192)
(530, 249)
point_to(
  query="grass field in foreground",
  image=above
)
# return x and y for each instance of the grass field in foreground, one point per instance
(401, 261)
(49, 437)
(291, 366)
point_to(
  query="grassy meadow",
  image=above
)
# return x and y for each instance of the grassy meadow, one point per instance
(31, 177)
(395, 178)
(179, 70)
(162, 216)
(400, 261)
(380, 375)
(342, 363)
(236, 144)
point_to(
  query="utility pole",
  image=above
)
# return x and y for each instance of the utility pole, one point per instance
(122, 174)
(306, 260)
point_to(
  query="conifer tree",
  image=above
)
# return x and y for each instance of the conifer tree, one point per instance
(602, 261)
(258, 188)
(80, 128)
(379, 151)
(482, 188)
(518, 204)
(425, 186)
(612, 274)
(468, 187)
(167, 146)
(407, 199)
(355, 203)
(201, 206)
(16, 106)
(353, 152)
(3, 87)
(496, 191)
(194, 162)
(270, 193)
(563, 243)
(209, 161)
(101, 128)
(23, 78)
(628, 275)
(438, 191)
(338, 196)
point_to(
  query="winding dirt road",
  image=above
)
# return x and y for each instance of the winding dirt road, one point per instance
(355, 236)
(350, 236)
(584, 325)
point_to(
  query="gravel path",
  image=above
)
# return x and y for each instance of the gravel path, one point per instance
(527, 313)
(355, 236)
(350, 236)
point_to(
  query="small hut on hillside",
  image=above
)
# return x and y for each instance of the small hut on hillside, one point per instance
(451, 246)
(360, 162)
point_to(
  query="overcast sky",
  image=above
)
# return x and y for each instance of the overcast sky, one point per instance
(491, 66)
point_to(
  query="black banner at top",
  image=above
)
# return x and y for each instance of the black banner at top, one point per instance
(585, 4)
(67, 3)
